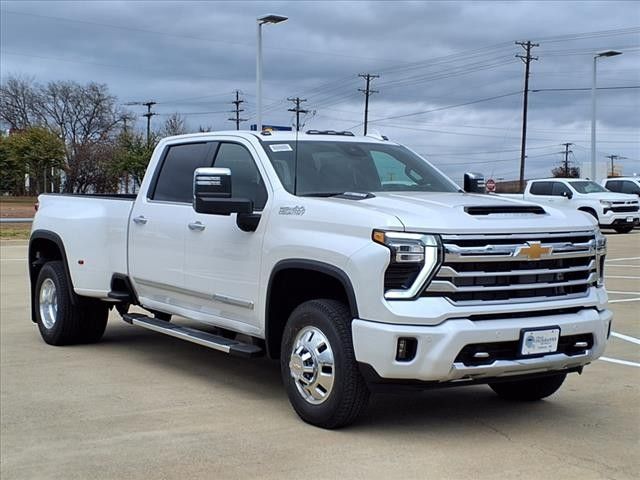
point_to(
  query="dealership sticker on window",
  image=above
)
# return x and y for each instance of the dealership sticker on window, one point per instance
(281, 147)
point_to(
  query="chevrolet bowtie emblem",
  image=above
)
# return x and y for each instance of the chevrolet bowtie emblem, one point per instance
(533, 251)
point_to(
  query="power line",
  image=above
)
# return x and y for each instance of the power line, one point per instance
(527, 59)
(367, 93)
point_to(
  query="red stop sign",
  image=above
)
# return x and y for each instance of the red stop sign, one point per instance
(491, 185)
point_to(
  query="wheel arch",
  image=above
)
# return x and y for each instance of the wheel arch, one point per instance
(328, 281)
(45, 246)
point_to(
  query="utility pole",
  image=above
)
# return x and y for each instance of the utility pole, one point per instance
(527, 58)
(612, 158)
(148, 115)
(297, 101)
(566, 158)
(237, 102)
(367, 93)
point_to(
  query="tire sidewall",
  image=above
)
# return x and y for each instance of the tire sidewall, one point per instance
(52, 271)
(310, 315)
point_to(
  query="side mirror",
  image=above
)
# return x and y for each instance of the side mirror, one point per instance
(474, 183)
(212, 193)
(567, 195)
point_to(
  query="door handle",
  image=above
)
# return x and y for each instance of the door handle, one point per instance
(196, 226)
(140, 220)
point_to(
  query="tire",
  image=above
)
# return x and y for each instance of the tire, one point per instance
(60, 322)
(529, 390)
(623, 228)
(324, 326)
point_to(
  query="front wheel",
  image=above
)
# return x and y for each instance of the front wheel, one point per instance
(529, 390)
(60, 321)
(318, 365)
(623, 228)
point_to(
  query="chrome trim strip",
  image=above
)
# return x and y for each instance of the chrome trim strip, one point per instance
(448, 272)
(524, 236)
(513, 301)
(171, 288)
(453, 257)
(448, 287)
(238, 302)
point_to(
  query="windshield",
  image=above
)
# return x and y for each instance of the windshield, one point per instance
(587, 187)
(330, 168)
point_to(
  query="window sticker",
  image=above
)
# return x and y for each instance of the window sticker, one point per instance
(281, 147)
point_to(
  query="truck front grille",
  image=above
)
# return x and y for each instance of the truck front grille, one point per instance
(618, 209)
(515, 267)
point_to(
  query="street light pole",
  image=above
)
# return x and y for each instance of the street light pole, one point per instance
(608, 53)
(261, 21)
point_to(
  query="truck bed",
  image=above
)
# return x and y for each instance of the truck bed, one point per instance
(93, 229)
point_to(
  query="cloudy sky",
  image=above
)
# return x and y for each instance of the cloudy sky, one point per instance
(449, 87)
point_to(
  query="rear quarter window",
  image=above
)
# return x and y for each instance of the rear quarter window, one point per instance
(541, 188)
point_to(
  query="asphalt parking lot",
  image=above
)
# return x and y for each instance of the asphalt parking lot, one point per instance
(143, 405)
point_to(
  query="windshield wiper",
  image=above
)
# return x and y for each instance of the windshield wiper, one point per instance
(348, 195)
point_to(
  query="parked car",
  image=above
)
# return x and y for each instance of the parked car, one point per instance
(630, 185)
(351, 260)
(611, 210)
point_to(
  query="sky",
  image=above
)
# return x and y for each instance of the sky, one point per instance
(449, 87)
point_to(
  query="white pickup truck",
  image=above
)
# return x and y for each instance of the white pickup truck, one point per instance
(614, 210)
(351, 260)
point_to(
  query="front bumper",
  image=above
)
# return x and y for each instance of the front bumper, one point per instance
(438, 346)
(619, 218)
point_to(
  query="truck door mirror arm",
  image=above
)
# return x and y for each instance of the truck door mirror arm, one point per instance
(212, 195)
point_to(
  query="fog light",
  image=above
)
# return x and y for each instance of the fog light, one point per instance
(406, 350)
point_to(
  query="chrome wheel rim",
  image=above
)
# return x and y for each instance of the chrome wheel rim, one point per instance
(312, 365)
(48, 302)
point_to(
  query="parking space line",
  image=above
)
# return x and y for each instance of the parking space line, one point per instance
(620, 292)
(626, 337)
(621, 259)
(628, 277)
(13, 259)
(621, 265)
(621, 362)
(620, 300)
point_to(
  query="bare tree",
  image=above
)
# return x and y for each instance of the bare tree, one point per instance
(18, 102)
(174, 125)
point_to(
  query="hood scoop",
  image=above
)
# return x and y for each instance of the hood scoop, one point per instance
(505, 210)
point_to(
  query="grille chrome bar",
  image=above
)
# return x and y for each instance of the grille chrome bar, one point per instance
(452, 272)
(444, 286)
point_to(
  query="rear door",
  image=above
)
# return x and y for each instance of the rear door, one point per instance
(159, 223)
(222, 264)
(542, 192)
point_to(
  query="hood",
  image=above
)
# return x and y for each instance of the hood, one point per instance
(451, 213)
(610, 196)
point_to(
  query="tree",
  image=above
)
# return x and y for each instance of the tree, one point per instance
(131, 157)
(19, 102)
(559, 172)
(37, 152)
(174, 125)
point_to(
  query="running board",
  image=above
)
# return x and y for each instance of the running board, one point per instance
(226, 345)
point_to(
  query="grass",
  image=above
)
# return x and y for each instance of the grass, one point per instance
(15, 231)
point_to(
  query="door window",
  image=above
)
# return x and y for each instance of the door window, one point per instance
(630, 187)
(541, 188)
(560, 190)
(175, 180)
(246, 181)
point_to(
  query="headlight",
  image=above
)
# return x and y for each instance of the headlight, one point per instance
(414, 259)
(605, 204)
(601, 252)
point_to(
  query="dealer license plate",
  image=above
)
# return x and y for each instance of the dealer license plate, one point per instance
(536, 342)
